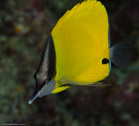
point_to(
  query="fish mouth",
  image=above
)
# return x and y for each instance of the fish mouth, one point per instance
(45, 90)
(36, 95)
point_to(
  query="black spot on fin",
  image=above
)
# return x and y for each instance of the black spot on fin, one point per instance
(105, 61)
(121, 54)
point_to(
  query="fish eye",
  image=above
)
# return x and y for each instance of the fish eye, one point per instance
(46, 80)
(105, 61)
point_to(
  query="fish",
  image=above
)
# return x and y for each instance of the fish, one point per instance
(78, 51)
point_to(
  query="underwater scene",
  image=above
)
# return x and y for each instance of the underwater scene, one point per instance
(77, 82)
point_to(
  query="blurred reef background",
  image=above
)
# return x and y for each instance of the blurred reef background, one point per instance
(24, 28)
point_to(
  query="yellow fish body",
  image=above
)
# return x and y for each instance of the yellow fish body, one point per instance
(81, 43)
(78, 50)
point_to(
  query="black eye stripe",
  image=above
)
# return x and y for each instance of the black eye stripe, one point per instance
(105, 61)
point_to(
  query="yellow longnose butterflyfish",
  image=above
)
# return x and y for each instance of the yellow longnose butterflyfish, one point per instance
(78, 50)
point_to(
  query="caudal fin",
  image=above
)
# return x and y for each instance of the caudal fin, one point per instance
(122, 53)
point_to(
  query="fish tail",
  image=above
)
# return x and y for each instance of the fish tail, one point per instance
(121, 54)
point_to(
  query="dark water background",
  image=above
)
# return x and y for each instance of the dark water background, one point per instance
(24, 28)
